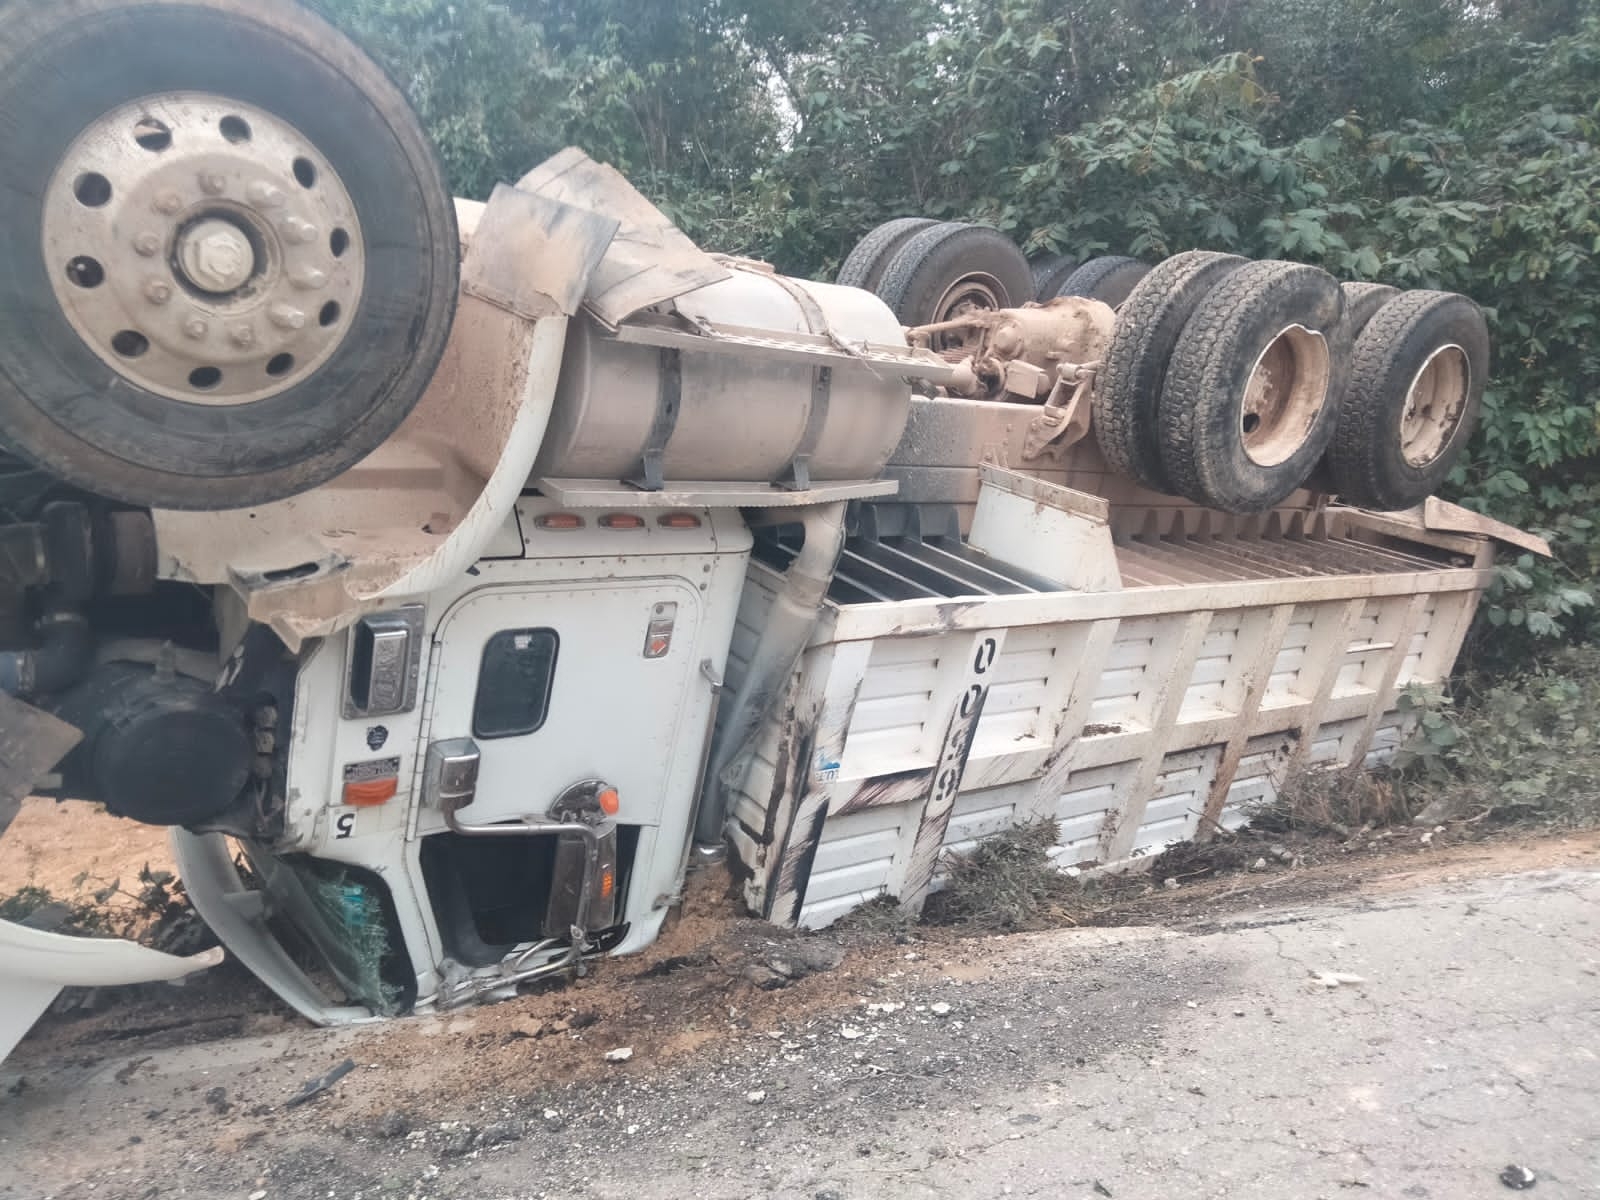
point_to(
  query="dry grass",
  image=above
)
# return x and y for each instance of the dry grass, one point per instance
(1005, 882)
(1335, 799)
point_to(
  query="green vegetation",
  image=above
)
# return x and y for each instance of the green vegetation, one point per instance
(1524, 744)
(1425, 143)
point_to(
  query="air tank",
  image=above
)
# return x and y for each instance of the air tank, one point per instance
(743, 414)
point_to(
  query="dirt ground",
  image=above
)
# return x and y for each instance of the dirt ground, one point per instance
(131, 1072)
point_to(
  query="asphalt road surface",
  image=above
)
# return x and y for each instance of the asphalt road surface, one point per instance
(1407, 1044)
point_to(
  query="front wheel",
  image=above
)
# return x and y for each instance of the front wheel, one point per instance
(228, 258)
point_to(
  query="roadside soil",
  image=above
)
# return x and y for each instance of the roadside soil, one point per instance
(156, 1081)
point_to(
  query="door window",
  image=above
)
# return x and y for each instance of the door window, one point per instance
(514, 681)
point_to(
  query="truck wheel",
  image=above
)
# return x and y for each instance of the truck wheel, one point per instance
(1050, 273)
(951, 269)
(1416, 381)
(1252, 389)
(863, 266)
(1361, 303)
(228, 258)
(1109, 279)
(1128, 392)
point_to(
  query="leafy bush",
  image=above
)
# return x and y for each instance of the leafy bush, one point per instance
(1528, 742)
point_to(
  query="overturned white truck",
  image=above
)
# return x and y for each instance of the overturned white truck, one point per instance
(441, 642)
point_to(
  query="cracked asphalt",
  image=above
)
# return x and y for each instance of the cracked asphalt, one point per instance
(1407, 1044)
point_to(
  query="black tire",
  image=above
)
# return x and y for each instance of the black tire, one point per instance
(1127, 395)
(863, 266)
(1109, 279)
(1216, 449)
(941, 269)
(66, 64)
(1368, 457)
(1361, 303)
(1050, 273)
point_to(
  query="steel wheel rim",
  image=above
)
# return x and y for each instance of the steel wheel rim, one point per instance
(202, 248)
(1434, 404)
(1287, 387)
(973, 293)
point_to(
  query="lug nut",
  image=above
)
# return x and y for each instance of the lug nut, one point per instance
(299, 232)
(158, 291)
(212, 184)
(242, 336)
(147, 244)
(285, 316)
(168, 202)
(263, 194)
(195, 328)
(309, 279)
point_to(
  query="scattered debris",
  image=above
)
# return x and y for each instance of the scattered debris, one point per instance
(620, 1054)
(1518, 1179)
(315, 1087)
(886, 1006)
(393, 1124)
(1332, 979)
(125, 1073)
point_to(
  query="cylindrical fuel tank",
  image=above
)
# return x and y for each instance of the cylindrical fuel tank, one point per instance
(741, 417)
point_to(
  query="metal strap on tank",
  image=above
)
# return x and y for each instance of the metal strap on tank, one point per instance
(796, 477)
(647, 475)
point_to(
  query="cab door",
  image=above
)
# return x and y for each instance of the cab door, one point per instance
(565, 682)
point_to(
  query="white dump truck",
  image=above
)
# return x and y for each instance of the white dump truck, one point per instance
(449, 575)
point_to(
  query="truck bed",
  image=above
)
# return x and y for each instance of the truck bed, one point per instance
(949, 693)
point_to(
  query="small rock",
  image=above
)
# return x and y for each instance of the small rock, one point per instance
(1332, 979)
(620, 1054)
(887, 1006)
(764, 977)
(1170, 884)
(803, 957)
(393, 1124)
(217, 1099)
(755, 1097)
(1281, 853)
(939, 1009)
(1260, 864)
(829, 1194)
(849, 1033)
(1518, 1179)
(259, 1194)
(458, 1143)
(499, 1133)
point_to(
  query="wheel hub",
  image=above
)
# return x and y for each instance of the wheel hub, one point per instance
(1434, 404)
(216, 256)
(202, 248)
(1286, 390)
